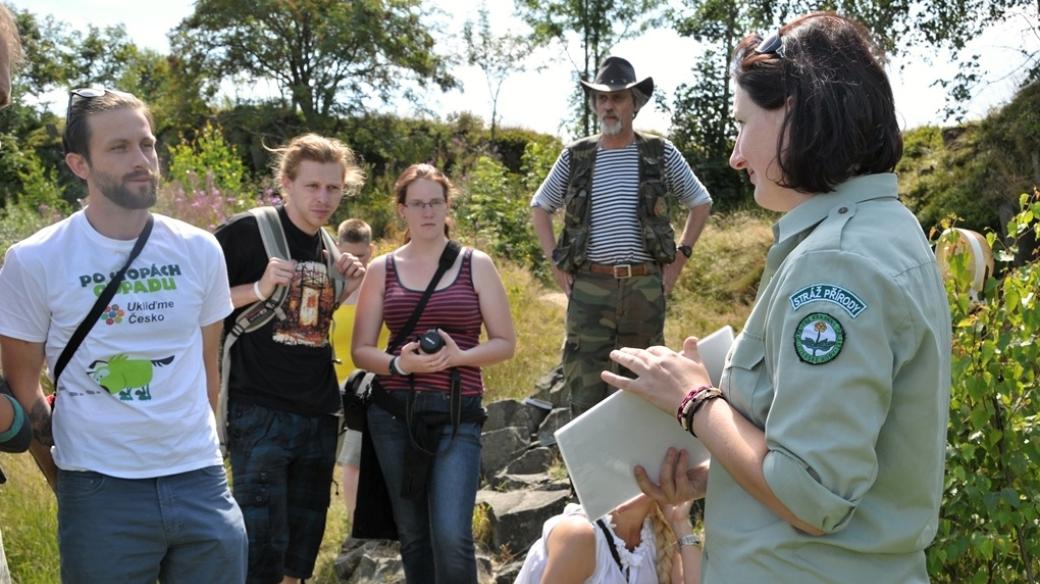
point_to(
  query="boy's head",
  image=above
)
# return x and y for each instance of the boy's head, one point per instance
(355, 237)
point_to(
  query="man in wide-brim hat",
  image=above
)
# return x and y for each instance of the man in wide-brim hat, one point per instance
(616, 257)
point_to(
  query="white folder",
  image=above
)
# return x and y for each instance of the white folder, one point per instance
(602, 446)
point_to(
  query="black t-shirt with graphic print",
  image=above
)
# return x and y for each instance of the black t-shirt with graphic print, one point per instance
(286, 364)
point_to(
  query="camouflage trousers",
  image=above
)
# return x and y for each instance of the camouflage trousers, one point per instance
(605, 313)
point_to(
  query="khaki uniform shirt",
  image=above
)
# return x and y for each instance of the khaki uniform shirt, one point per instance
(844, 363)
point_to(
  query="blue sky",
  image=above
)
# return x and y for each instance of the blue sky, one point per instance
(538, 99)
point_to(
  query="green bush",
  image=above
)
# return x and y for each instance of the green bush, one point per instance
(989, 530)
(18, 221)
(972, 171)
(208, 162)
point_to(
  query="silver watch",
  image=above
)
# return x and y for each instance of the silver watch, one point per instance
(690, 539)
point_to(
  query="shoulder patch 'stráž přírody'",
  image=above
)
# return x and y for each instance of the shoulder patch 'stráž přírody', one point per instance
(828, 293)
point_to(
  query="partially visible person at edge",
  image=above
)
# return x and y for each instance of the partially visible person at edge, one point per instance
(432, 501)
(354, 236)
(15, 431)
(142, 492)
(828, 429)
(646, 540)
(616, 258)
(282, 391)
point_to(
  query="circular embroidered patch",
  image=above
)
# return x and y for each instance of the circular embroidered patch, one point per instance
(818, 338)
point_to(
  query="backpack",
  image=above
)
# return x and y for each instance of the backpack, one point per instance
(261, 312)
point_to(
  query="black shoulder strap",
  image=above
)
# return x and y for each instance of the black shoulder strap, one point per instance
(613, 547)
(448, 257)
(99, 305)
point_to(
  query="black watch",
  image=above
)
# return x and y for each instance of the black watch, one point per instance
(555, 256)
(686, 250)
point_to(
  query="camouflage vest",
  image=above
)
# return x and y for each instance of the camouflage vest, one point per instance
(651, 210)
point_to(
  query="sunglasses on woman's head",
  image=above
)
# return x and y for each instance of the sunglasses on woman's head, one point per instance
(773, 45)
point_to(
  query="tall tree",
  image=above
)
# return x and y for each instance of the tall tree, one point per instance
(317, 51)
(597, 25)
(497, 56)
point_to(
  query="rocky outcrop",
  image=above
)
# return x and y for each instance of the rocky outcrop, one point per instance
(523, 484)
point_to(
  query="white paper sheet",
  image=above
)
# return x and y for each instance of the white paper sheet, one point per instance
(603, 445)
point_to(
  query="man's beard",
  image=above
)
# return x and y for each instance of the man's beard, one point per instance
(116, 190)
(610, 128)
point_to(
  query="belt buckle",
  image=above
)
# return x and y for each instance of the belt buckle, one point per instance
(626, 268)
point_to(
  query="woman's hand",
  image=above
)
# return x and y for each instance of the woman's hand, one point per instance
(412, 360)
(679, 487)
(663, 377)
(453, 354)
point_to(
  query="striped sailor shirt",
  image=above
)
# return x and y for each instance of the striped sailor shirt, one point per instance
(615, 236)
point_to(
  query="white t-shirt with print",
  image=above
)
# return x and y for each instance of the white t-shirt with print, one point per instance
(132, 402)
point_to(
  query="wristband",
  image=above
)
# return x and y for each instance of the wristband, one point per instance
(687, 402)
(696, 403)
(256, 291)
(395, 368)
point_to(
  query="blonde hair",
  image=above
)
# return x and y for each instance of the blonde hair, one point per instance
(322, 150)
(664, 542)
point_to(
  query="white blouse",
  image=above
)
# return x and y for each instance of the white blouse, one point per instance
(639, 562)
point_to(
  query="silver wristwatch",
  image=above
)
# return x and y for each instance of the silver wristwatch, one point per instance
(690, 539)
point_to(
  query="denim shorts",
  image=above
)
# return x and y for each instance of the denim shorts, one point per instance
(281, 466)
(177, 528)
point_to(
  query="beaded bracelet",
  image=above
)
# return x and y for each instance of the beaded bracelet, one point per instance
(684, 406)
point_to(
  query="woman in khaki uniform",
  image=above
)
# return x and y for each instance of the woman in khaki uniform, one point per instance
(829, 430)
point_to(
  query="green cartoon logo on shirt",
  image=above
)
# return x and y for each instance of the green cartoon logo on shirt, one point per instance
(818, 338)
(120, 374)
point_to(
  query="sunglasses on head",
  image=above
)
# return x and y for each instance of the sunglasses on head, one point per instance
(773, 45)
(76, 96)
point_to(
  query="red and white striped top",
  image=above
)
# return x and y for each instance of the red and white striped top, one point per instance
(454, 309)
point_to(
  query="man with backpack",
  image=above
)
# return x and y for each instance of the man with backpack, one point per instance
(616, 257)
(287, 277)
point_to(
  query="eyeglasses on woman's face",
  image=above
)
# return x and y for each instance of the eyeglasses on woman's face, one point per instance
(435, 204)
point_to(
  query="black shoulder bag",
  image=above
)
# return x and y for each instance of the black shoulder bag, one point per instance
(99, 305)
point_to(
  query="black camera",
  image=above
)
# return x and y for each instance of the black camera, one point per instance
(431, 341)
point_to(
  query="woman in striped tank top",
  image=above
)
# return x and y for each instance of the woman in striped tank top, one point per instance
(432, 496)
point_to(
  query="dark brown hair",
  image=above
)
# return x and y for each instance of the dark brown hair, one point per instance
(430, 173)
(77, 130)
(840, 120)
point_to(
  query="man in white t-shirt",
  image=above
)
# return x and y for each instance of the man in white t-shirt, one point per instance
(133, 456)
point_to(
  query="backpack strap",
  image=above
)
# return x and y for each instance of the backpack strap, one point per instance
(332, 255)
(260, 312)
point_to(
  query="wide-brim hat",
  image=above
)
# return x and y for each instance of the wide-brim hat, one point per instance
(617, 74)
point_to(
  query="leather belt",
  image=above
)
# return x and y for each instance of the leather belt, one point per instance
(621, 271)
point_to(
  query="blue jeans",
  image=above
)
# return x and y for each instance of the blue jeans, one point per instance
(178, 528)
(436, 533)
(282, 466)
